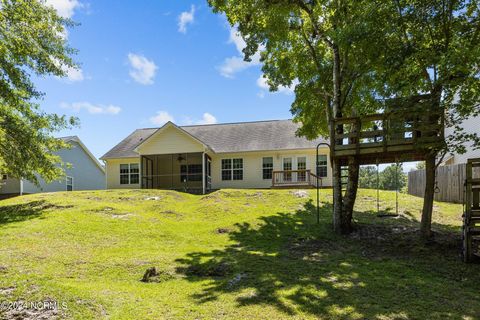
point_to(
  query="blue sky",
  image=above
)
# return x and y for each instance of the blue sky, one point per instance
(145, 62)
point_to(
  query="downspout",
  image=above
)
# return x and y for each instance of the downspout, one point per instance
(203, 172)
(106, 174)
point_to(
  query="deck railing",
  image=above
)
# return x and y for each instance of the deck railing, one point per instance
(294, 178)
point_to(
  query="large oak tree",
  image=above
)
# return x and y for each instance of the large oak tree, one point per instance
(347, 56)
(324, 46)
(32, 41)
(432, 47)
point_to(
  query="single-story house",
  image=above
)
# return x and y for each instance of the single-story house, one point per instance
(470, 125)
(200, 158)
(84, 173)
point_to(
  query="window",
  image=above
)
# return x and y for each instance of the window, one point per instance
(302, 166)
(129, 173)
(226, 169)
(322, 166)
(192, 172)
(267, 167)
(287, 168)
(232, 169)
(4, 177)
(69, 183)
(237, 169)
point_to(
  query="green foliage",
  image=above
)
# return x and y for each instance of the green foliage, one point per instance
(367, 177)
(420, 165)
(391, 178)
(32, 41)
(233, 254)
(433, 47)
(387, 49)
(297, 40)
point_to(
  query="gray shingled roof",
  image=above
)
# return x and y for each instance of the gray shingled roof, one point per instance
(229, 137)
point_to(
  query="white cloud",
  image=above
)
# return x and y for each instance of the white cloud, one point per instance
(74, 74)
(91, 108)
(142, 70)
(186, 18)
(235, 64)
(65, 8)
(161, 118)
(262, 84)
(207, 118)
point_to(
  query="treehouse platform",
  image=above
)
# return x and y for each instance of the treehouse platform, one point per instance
(405, 133)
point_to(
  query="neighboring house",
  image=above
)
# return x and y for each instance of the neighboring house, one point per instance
(200, 158)
(470, 125)
(85, 173)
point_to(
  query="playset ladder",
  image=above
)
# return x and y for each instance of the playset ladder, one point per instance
(471, 215)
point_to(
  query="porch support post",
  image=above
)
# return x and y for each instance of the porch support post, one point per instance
(203, 173)
(141, 173)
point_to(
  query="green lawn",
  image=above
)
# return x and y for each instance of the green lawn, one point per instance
(231, 255)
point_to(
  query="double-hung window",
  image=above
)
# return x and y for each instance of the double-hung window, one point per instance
(232, 169)
(267, 167)
(69, 184)
(129, 173)
(322, 166)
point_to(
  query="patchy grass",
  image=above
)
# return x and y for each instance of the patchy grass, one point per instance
(231, 254)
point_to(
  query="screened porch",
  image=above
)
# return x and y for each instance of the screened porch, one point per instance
(189, 172)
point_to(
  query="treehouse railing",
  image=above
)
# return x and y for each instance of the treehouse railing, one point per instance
(389, 132)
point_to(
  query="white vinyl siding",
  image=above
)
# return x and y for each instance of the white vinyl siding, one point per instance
(170, 140)
(253, 167)
(113, 173)
(129, 173)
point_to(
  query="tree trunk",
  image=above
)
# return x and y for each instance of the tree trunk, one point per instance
(342, 219)
(350, 194)
(337, 197)
(426, 223)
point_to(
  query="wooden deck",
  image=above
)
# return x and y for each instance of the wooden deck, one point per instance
(295, 179)
(388, 137)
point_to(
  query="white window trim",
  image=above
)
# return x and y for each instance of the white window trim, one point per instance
(129, 174)
(66, 183)
(326, 165)
(232, 169)
(283, 162)
(306, 162)
(295, 161)
(273, 166)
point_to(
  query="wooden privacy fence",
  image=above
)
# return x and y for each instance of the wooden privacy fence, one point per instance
(450, 180)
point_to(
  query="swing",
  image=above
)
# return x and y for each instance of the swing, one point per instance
(386, 214)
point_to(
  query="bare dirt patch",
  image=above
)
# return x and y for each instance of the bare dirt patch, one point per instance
(154, 275)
